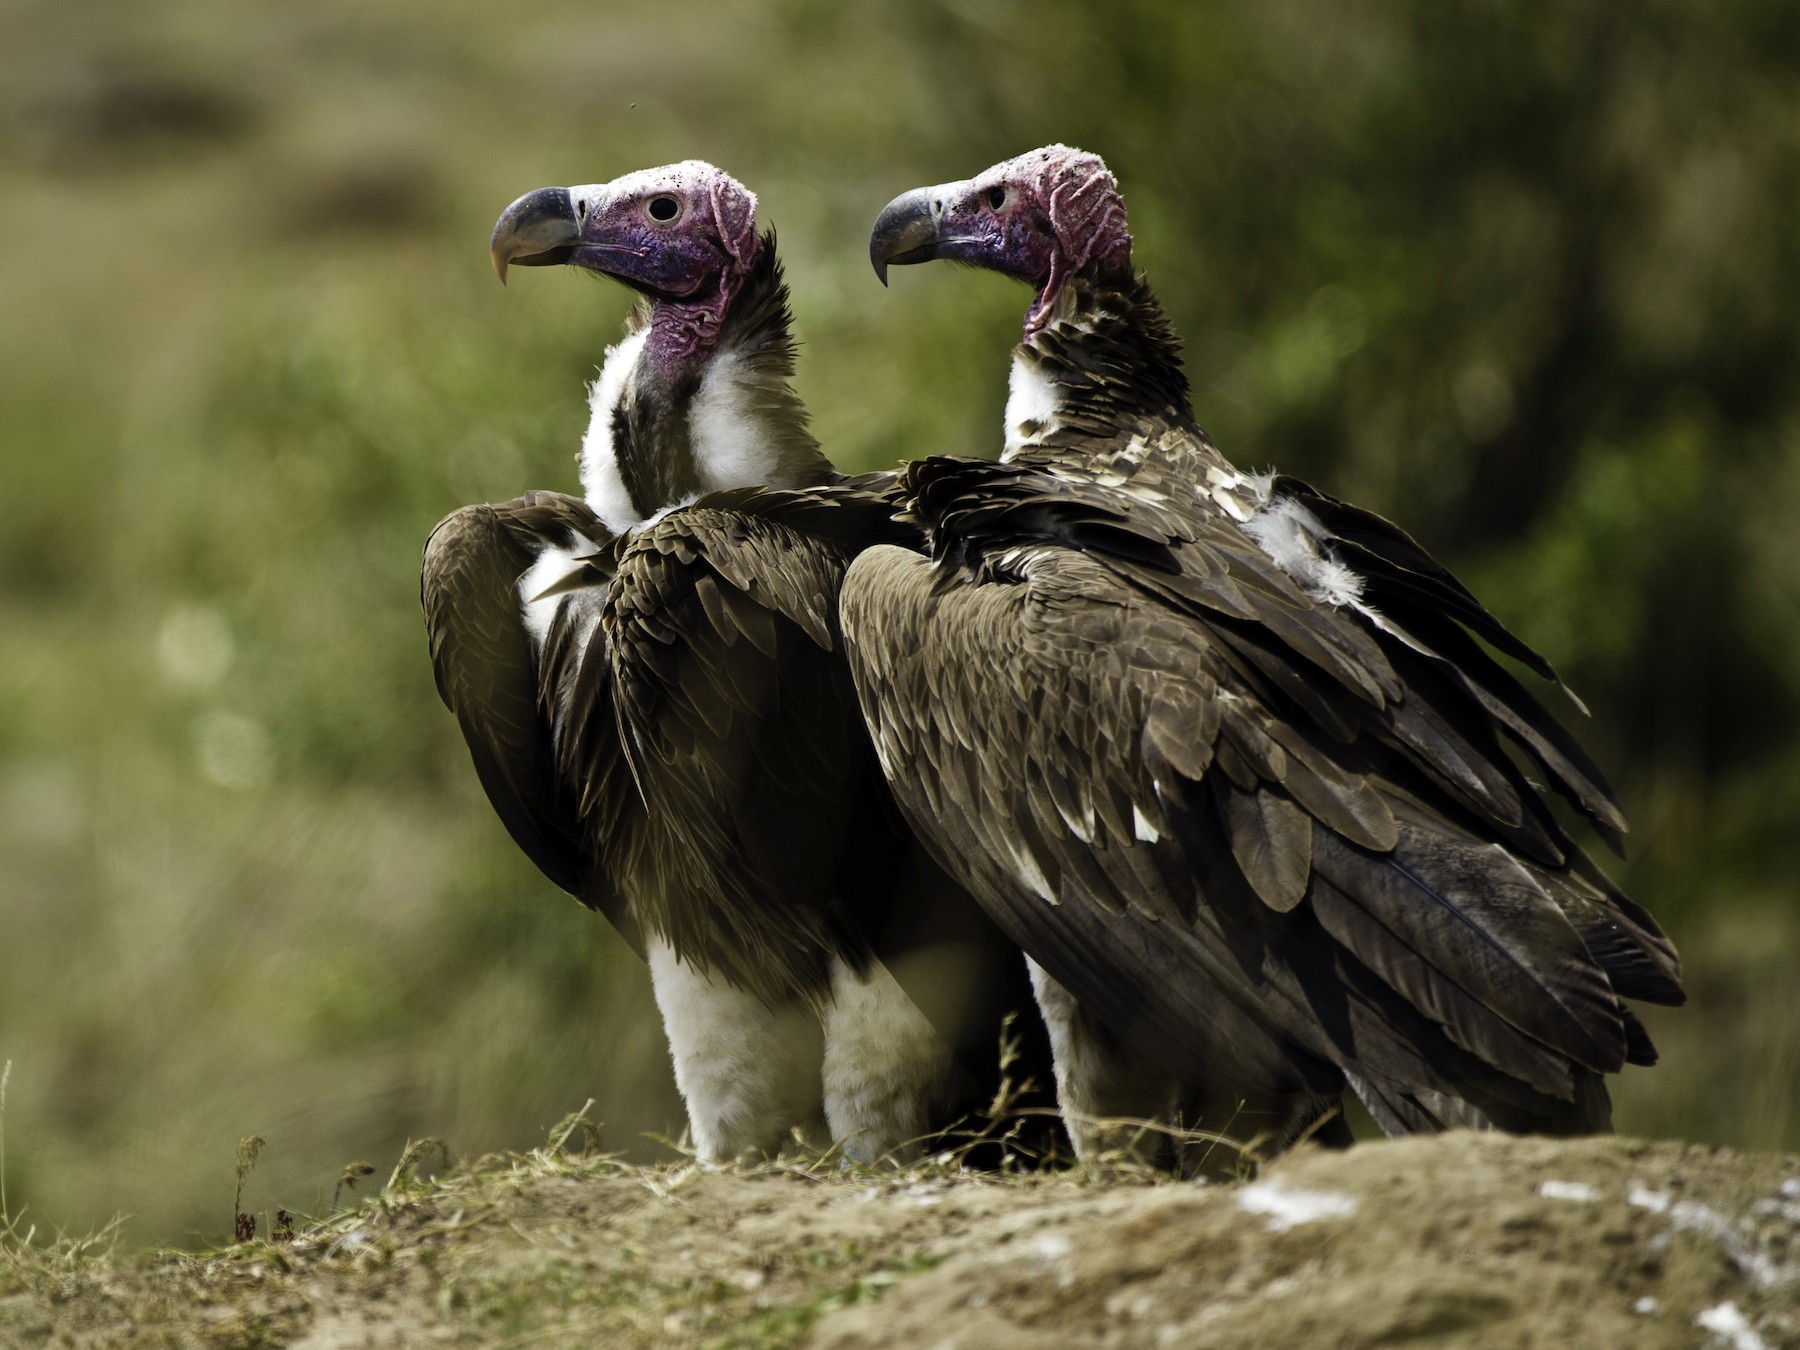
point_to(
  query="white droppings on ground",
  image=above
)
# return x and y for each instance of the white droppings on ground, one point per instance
(1654, 1201)
(1052, 1247)
(1790, 1189)
(1730, 1327)
(1131, 1304)
(1688, 1216)
(1287, 1208)
(1788, 1210)
(1646, 1307)
(926, 1193)
(1578, 1191)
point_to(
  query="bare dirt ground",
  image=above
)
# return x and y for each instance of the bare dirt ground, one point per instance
(1466, 1240)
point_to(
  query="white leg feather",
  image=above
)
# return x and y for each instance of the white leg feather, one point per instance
(1099, 1080)
(749, 1074)
(887, 1071)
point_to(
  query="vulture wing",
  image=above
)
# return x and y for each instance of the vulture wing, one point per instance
(1268, 837)
(739, 727)
(506, 691)
(744, 733)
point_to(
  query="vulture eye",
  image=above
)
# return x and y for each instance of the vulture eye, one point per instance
(996, 198)
(664, 209)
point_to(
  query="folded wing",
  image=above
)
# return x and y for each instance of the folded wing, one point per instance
(1273, 839)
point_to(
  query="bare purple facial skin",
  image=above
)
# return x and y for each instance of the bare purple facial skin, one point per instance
(1042, 217)
(684, 235)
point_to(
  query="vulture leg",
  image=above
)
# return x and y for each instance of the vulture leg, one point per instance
(887, 1073)
(746, 1071)
(1116, 1102)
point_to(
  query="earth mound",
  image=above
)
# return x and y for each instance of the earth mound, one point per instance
(1468, 1239)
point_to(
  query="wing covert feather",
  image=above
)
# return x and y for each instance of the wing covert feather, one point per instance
(743, 728)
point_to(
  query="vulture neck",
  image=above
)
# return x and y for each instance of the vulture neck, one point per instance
(673, 420)
(1105, 363)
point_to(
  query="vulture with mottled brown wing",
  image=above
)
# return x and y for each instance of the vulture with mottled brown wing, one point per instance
(1226, 756)
(650, 681)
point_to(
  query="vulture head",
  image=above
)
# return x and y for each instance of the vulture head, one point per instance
(683, 236)
(1043, 217)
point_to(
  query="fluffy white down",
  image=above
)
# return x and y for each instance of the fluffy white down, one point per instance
(731, 448)
(1099, 1081)
(1288, 1207)
(1030, 397)
(601, 482)
(552, 565)
(1295, 538)
(749, 1074)
(885, 1066)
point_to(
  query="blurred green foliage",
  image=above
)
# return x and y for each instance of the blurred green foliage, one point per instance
(1522, 275)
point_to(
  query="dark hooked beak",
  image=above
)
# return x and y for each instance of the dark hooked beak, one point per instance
(541, 229)
(907, 230)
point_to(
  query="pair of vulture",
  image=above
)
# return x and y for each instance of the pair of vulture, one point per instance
(1220, 770)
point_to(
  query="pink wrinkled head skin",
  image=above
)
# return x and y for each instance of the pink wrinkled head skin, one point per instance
(722, 205)
(1077, 195)
(692, 264)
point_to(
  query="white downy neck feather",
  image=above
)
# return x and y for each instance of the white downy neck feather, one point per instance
(1030, 398)
(731, 446)
(601, 482)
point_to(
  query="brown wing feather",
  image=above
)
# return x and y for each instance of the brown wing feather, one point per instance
(503, 695)
(1433, 973)
(963, 690)
(737, 726)
(743, 728)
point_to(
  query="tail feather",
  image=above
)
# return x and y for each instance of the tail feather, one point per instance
(1423, 1111)
(1464, 1018)
(1639, 1048)
(1476, 918)
(1638, 966)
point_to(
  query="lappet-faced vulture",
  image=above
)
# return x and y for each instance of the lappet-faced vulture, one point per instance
(1232, 760)
(650, 680)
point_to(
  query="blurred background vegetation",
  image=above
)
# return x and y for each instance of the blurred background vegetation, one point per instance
(1522, 275)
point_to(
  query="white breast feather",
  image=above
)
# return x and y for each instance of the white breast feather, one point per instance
(1030, 397)
(552, 565)
(601, 482)
(668, 510)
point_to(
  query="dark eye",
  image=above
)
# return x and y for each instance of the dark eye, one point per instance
(996, 198)
(664, 208)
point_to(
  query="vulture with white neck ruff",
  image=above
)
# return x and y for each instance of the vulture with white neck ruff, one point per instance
(1223, 754)
(650, 680)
